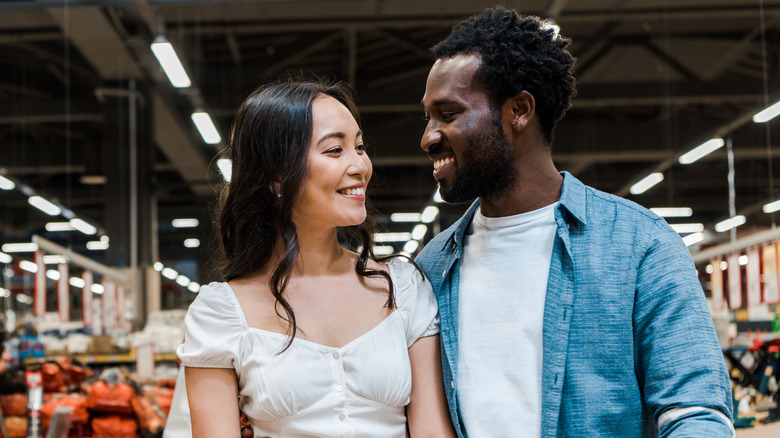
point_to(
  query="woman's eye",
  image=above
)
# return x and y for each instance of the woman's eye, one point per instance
(361, 147)
(333, 151)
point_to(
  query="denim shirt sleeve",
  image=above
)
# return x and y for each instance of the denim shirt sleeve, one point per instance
(679, 363)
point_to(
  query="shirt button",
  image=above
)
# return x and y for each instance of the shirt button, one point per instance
(452, 384)
(443, 273)
(339, 388)
(454, 245)
(342, 417)
(336, 356)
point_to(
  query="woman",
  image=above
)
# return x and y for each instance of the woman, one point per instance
(307, 337)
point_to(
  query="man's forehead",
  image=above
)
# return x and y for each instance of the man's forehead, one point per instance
(450, 76)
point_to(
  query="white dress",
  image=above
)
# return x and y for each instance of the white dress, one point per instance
(312, 390)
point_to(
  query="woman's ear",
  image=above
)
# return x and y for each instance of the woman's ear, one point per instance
(276, 188)
(521, 109)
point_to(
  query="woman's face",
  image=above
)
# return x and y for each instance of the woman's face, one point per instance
(338, 169)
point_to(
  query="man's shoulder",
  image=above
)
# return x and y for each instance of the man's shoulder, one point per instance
(603, 202)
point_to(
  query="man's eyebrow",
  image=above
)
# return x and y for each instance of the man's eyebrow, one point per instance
(438, 102)
(340, 135)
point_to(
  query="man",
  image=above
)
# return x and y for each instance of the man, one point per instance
(565, 311)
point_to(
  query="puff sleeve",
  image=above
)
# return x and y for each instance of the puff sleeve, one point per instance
(415, 300)
(213, 329)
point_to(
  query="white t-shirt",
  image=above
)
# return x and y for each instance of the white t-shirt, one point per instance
(503, 282)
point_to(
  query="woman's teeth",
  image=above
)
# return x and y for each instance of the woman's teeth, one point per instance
(438, 164)
(353, 192)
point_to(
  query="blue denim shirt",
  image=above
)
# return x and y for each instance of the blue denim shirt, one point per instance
(627, 332)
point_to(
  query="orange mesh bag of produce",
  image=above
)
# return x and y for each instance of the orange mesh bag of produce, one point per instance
(53, 378)
(162, 396)
(17, 426)
(114, 426)
(79, 414)
(149, 418)
(14, 404)
(112, 399)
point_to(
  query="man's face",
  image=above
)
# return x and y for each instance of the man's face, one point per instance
(464, 137)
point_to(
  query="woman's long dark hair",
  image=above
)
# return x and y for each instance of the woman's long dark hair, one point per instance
(269, 145)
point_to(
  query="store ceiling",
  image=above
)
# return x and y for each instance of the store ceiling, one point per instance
(655, 79)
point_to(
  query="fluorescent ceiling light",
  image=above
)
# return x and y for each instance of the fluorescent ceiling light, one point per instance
(687, 228)
(381, 250)
(185, 223)
(767, 114)
(708, 269)
(97, 245)
(28, 266)
(20, 247)
(225, 166)
(772, 207)
(93, 180)
(730, 223)
(724, 265)
(645, 183)
(6, 184)
(701, 150)
(158, 266)
(392, 237)
(54, 259)
(672, 211)
(169, 273)
(405, 217)
(170, 62)
(411, 246)
(206, 127)
(419, 232)
(743, 260)
(83, 226)
(693, 238)
(26, 299)
(4, 293)
(191, 243)
(59, 226)
(54, 275)
(182, 280)
(193, 287)
(44, 205)
(77, 282)
(437, 197)
(97, 288)
(430, 213)
(5, 258)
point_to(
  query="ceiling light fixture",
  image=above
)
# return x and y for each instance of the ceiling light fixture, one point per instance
(6, 184)
(687, 228)
(771, 207)
(767, 114)
(5, 258)
(185, 223)
(418, 232)
(693, 238)
(225, 166)
(44, 205)
(411, 246)
(170, 63)
(405, 217)
(59, 226)
(429, 214)
(672, 211)
(191, 243)
(20, 247)
(206, 127)
(701, 150)
(729, 223)
(645, 183)
(392, 237)
(83, 226)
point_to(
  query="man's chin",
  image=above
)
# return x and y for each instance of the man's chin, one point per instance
(452, 195)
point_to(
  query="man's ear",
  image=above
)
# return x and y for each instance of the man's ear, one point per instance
(521, 109)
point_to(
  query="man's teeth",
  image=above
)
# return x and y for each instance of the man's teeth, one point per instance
(360, 191)
(438, 164)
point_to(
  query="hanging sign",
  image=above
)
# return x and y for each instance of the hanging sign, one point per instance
(769, 256)
(109, 304)
(716, 285)
(753, 278)
(40, 285)
(735, 282)
(63, 293)
(86, 299)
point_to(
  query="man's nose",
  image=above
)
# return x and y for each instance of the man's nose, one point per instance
(431, 136)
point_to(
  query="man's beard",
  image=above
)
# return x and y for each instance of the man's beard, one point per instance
(485, 168)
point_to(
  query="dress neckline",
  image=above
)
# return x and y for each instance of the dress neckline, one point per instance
(300, 341)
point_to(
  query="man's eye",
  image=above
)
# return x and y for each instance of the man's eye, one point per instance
(447, 115)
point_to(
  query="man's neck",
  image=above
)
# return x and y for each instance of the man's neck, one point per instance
(536, 187)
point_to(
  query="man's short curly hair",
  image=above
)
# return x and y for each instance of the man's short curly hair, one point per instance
(517, 53)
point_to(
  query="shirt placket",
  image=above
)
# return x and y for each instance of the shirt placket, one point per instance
(339, 390)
